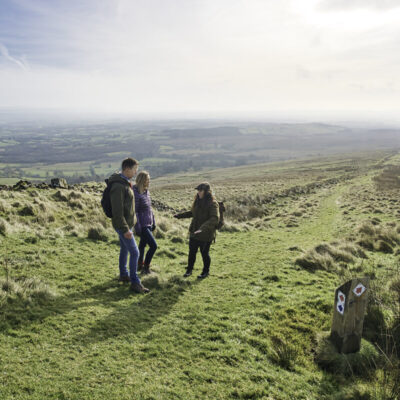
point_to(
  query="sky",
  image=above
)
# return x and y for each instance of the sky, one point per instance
(202, 57)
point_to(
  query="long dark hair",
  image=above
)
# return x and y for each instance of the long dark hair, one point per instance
(206, 201)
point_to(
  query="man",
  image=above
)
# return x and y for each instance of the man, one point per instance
(123, 220)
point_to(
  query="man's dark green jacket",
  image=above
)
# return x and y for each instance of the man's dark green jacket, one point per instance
(122, 203)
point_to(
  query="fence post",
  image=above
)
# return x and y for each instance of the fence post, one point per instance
(351, 301)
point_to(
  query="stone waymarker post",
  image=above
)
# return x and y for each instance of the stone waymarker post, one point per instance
(348, 315)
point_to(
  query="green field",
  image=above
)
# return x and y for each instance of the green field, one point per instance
(249, 331)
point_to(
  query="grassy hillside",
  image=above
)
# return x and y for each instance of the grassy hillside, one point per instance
(252, 330)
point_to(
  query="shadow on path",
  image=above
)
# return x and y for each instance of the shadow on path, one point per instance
(137, 315)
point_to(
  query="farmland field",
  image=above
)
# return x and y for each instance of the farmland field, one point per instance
(91, 151)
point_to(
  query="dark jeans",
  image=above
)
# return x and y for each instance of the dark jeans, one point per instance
(204, 247)
(147, 238)
(128, 246)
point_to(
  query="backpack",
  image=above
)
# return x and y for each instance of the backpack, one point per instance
(106, 199)
(222, 209)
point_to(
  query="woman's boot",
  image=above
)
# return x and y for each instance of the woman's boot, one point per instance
(187, 273)
(140, 266)
(203, 274)
(146, 269)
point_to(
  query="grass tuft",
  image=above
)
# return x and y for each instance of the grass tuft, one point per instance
(97, 233)
(284, 353)
(360, 363)
(5, 227)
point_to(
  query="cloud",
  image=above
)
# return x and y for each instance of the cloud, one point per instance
(21, 62)
(197, 55)
(340, 5)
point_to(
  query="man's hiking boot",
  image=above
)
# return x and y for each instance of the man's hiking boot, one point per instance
(146, 269)
(203, 275)
(124, 278)
(139, 288)
(187, 273)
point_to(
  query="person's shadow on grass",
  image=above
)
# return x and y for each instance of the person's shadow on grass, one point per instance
(140, 315)
(137, 313)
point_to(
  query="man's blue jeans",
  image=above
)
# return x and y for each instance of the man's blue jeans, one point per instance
(128, 246)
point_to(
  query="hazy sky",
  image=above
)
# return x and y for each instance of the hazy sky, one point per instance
(202, 56)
